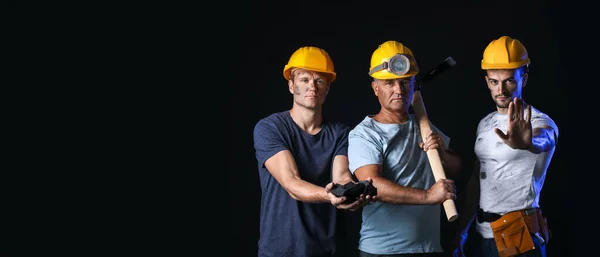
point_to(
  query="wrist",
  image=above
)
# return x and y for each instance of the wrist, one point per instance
(533, 148)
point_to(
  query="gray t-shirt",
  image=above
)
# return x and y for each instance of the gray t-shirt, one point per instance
(510, 179)
(388, 228)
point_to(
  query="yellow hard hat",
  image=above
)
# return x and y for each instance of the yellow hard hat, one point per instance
(504, 53)
(392, 60)
(310, 58)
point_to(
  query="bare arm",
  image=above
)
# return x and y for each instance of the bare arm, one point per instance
(282, 167)
(543, 140)
(341, 170)
(390, 192)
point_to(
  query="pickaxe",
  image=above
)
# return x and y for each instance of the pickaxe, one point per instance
(433, 155)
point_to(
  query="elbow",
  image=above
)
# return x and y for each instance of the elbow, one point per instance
(294, 196)
(290, 186)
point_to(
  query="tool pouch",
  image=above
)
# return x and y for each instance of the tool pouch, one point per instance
(512, 235)
(537, 224)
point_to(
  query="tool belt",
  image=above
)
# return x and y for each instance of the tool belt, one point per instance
(513, 231)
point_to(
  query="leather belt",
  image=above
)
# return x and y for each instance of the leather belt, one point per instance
(491, 217)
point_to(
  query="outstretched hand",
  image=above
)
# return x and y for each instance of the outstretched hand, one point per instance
(519, 132)
(341, 202)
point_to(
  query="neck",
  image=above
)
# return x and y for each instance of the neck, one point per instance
(309, 120)
(390, 117)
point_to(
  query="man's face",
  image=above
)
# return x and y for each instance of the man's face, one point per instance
(309, 88)
(505, 85)
(394, 94)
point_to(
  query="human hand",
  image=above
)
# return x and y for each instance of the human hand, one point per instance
(442, 190)
(519, 132)
(369, 195)
(340, 202)
(432, 141)
(355, 195)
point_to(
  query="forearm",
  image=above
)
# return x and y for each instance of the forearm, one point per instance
(306, 192)
(282, 167)
(340, 170)
(542, 140)
(343, 178)
(390, 192)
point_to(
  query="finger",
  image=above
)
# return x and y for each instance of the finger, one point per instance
(426, 145)
(516, 107)
(511, 113)
(520, 108)
(370, 180)
(328, 187)
(429, 134)
(439, 142)
(449, 186)
(529, 113)
(354, 205)
(500, 133)
(433, 145)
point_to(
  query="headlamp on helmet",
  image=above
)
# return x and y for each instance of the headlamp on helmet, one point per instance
(398, 64)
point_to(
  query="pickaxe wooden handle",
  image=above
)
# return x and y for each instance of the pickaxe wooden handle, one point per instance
(432, 155)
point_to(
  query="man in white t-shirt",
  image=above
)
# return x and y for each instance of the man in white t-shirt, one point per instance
(514, 146)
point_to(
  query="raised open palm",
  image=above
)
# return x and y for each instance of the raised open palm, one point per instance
(519, 132)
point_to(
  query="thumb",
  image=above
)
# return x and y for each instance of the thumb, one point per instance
(500, 134)
(328, 187)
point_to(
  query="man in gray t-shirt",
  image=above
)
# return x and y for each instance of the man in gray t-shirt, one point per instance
(388, 148)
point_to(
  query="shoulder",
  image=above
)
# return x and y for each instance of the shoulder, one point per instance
(537, 114)
(336, 125)
(365, 127)
(491, 116)
(271, 121)
(539, 118)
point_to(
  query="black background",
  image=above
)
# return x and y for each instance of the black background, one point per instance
(141, 142)
(455, 101)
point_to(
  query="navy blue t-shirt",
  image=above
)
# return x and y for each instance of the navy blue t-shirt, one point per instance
(289, 227)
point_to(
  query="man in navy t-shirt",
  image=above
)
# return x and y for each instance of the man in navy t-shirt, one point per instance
(300, 156)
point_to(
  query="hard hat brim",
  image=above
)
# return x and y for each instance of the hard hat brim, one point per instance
(384, 74)
(499, 66)
(287, 72)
